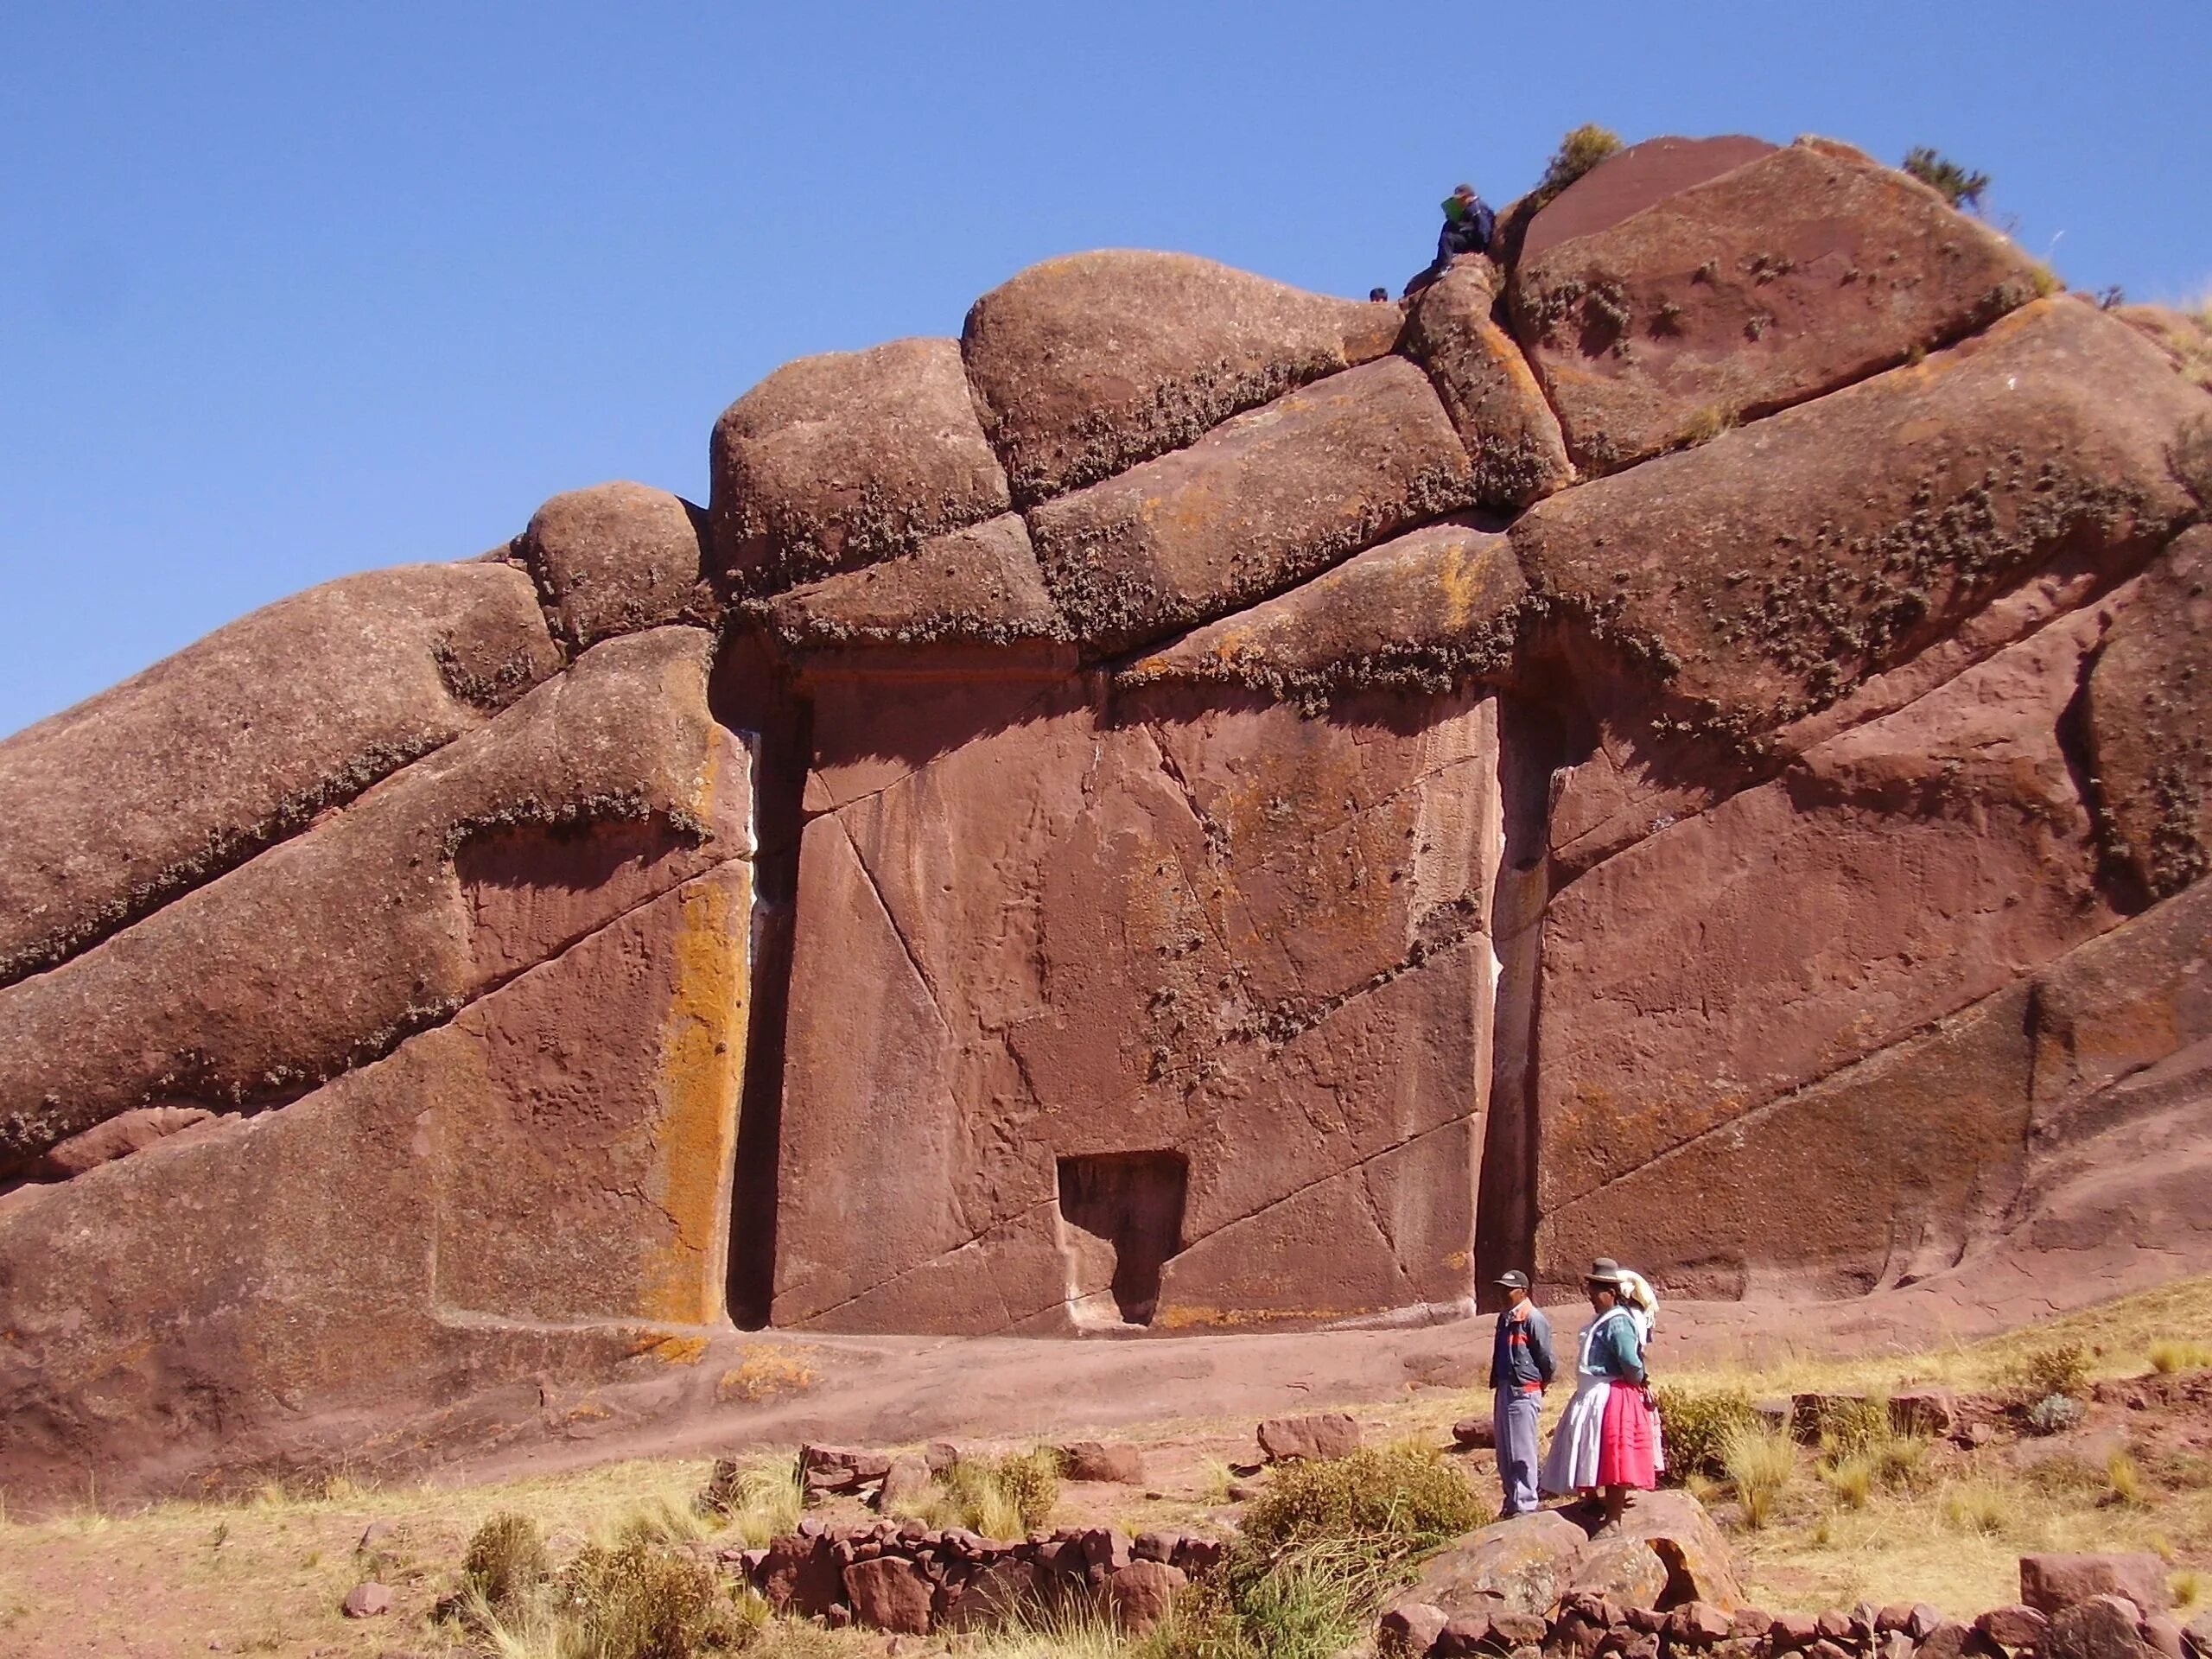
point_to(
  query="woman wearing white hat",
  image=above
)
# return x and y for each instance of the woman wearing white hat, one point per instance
(1606, 1443)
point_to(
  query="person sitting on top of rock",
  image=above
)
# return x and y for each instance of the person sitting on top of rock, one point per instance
(1468, 225)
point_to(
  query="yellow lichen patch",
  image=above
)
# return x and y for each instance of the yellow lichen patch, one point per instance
(765, 1371)
(702, 1072)
(679, 1351)
(1195, 1315)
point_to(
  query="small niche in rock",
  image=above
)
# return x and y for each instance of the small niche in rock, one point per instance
(1121, 1219)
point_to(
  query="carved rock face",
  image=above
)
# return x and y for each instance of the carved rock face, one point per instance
(1193, 819)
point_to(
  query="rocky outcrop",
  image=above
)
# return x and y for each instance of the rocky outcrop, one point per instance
(1202, 807)
(1797, 271)
(123, 803)
(841, 460)
(617, 558)
(594, 793)
(1264, 501)
(1088, 364)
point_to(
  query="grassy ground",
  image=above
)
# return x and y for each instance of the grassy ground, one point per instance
(266, 1575)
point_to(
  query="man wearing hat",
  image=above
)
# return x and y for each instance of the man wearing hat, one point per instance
(1520, 1371)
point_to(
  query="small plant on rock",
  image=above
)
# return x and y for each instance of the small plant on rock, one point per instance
(2191, 459)
(1939, 172)
(1578, 151)
(2054, 1415)
(2062, 1368)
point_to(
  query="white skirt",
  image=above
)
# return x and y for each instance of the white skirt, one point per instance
(1571, 1466)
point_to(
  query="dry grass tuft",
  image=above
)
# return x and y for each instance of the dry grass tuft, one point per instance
(1761, 1461)
(2169, 1356)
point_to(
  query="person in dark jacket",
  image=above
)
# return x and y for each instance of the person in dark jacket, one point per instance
(1468, 224)
(1520, 1370)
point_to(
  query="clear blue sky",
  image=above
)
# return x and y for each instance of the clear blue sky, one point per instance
(291, 290)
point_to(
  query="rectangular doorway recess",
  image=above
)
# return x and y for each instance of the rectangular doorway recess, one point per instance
(1121, 1219)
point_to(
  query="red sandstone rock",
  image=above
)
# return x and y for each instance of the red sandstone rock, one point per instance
(1519, 1565)
(1487, 388)
(557, 1156)
(1778, 280)
(1323, 1434)
(1007, 1589)
(2018, 1626)
(2151, 718)
(1626, 1572)
(1946, 842)
(1117, 1462)
(978, 586)
(2052, 1582)
(889, 1593)
(1478, 1433)
(600, 789)
(846, 459)
(118, 1137)
(1700, 1564)
(1425, 611)
(1141, 1594)
(161, 784)
(1089, 364)
(367, 1601)
(1835, 540)
(2103, 1627)
(1266, 500)
(1410, 1629)
(1632, 180)
(617, 558)
(1229, 1154)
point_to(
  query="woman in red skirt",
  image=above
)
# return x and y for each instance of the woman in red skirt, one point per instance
(1607, 1442)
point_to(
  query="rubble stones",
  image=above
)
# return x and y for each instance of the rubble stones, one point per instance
(1088, 364)
(2100, 1627)
(2051, 1582)
(2017, 1627)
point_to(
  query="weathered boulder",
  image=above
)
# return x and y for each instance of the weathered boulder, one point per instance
(1785, 277)
(1627, 1572)
(1140, 1595)
(556, 1159)
(2101, 1627)
(2052, 1581)
(600, 789)
(2015, 1626)
(1258, 503)
(367, 1600)
(1410, 1629)
(1633, 179)
(1488, 389)
(801, 1575)
(890, 1593)
(1089, 363)
(1521, 1566)
(118, 1137)
(848, 459)
(1318, 1435)
(1009, 1589)
(1894, 874)
(978, 586)
(161, 784)
(617, 558)
(1117, 1461)
(1424, 612)
(1837, 539)
(2151, 718)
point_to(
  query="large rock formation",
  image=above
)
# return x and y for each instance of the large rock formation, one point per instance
(1195, 806)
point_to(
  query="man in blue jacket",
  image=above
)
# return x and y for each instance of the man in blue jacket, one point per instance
(1520, 1370)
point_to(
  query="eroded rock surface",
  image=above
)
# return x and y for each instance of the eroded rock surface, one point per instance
(1191, 818)
(115, 807)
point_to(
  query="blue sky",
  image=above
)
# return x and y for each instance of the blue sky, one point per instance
(287, 291)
